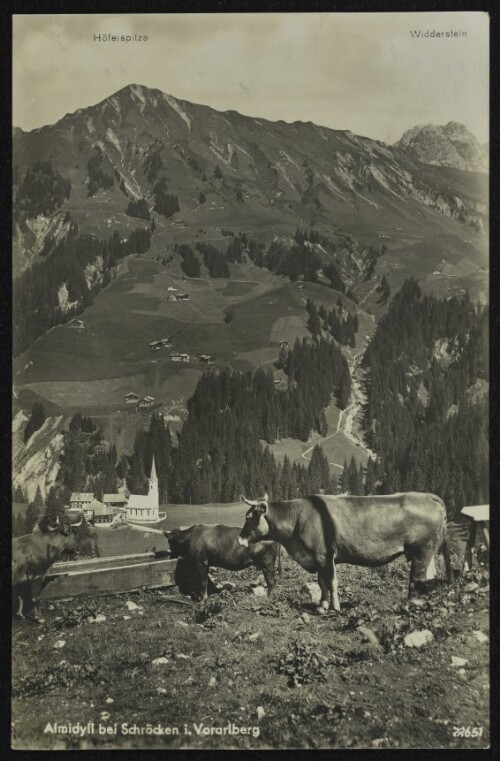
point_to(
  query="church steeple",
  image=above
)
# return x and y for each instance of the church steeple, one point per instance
(154, 477)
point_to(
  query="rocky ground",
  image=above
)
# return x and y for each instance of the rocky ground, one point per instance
(153, 669)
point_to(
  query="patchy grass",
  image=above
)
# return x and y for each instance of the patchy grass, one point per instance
(297, 680)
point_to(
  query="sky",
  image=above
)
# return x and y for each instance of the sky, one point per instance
(358, 71)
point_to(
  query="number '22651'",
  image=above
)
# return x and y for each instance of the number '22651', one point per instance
(467, 731)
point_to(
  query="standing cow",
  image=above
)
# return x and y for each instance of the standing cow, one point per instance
(218, 547)
(320, 531)
(32, 556)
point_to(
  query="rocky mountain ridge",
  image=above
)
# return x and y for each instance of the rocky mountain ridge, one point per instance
(142, 172)
(253, 172)
(450, 145)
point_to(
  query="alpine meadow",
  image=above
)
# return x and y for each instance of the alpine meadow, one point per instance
(222, 320)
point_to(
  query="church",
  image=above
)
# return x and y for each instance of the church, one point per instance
(145, 508)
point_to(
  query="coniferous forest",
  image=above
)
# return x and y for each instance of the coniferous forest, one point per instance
(36, 306)
(219, 452)
(426, 415)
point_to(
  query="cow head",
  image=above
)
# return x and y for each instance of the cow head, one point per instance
(256, 526)
(178, 542)
(63, 528)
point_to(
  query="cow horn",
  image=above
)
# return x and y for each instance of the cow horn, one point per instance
(75, 525)
(251, 502)
(53, 528)
(265, 498)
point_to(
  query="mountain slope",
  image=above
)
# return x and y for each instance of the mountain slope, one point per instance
(451, 145)
(142, 171)
(254, 174)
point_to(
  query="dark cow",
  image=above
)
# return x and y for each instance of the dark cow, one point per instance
(218, 547)
(32, 556)
(320, 531)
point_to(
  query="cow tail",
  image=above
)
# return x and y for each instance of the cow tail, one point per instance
(445, 549)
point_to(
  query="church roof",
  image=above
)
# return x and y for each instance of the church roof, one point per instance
(154, 477)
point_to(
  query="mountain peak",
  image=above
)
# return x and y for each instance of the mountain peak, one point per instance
(450, 145)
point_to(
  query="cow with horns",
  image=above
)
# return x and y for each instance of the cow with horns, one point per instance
(322, 530)
(32, 556)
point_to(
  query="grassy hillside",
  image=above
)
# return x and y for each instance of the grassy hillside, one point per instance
(302, 680)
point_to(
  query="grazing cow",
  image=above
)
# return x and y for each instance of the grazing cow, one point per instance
(218, 546)
(32, 556)
(320, 531)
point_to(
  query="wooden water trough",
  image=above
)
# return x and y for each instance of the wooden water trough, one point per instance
(123, 573)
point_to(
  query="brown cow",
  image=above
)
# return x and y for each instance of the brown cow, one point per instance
(218, 547)
(322, 530)
(32, 556)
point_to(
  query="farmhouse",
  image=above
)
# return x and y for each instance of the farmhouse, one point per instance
(155, 345)
(144, 508)
(181, 357)
(207, 358)
(78, 324)
(131, 398)
(114, 500)
(101, 515)
(171, 288)
(148, 401)
(166, 342)
(81, 500)
(182, 297)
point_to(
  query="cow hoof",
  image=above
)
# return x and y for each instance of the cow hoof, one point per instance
(321, 610)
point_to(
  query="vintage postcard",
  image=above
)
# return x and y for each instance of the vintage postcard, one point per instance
(250, 503)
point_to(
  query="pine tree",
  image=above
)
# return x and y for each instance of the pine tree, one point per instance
(54, 510)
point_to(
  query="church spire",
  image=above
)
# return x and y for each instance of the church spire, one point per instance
(154, 477)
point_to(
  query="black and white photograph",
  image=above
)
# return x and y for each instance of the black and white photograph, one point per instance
(250, 444)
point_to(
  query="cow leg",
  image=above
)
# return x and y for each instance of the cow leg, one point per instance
(36, 590)
(201, 561)
(431, 572)
(18, 600)
(269, 576)
(327, 579)
(422, 568)
(335, 592)
(27, 606)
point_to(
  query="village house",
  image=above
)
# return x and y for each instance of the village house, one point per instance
(182, 297)
(181, 357)
(131, 398)
(155, 345)
(148, 401)
(101, 515)
(114, 501)
(81, 500)
(78, 324)
(171, 288)
(207, 358)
